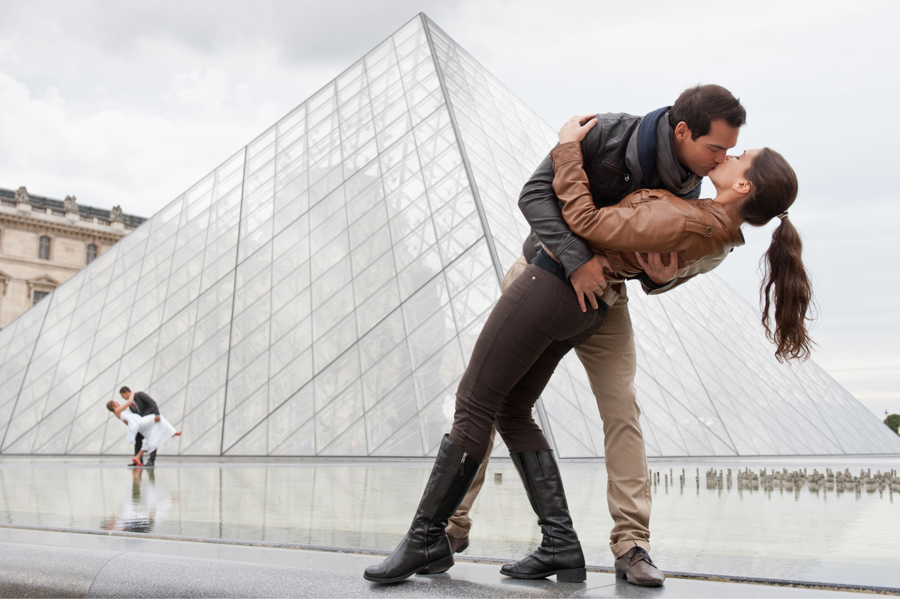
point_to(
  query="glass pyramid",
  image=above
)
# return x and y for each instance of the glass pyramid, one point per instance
(319, 294)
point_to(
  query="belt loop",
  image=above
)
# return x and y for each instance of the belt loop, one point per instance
(544, 261)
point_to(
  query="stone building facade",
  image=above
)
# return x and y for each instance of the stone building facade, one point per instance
(43, 242)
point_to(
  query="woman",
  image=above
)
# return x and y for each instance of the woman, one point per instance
(154, 432)
(538, 320)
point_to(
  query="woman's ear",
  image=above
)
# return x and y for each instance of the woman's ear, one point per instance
(742, 186)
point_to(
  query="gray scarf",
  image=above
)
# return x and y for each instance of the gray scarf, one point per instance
(673, 176)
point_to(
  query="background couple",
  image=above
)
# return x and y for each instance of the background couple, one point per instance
(586, 241)
(147, 428)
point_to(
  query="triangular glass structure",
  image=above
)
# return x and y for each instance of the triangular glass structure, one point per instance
(319, 294)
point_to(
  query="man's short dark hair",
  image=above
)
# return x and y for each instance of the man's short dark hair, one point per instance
(124, 390)
(701, 105)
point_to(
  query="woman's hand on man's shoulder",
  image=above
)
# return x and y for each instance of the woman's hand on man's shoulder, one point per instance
(576, 128)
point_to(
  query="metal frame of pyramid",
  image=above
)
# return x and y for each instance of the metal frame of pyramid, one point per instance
(319, 294)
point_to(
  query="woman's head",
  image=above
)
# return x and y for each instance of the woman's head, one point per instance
(111, 405)
(773, 187)
(772, 190)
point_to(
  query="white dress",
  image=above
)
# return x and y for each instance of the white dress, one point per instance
(155, 433)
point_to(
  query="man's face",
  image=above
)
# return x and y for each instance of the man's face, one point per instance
(126, 396)
(708, 151)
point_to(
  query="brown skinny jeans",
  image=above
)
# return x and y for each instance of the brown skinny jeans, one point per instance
(534, 324)
(610, 361)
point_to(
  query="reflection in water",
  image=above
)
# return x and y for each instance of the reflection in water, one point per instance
(141, 506)
(820, 535)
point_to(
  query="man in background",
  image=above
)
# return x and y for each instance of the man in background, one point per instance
(142, 406)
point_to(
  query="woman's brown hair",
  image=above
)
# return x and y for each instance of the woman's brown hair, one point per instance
(785, 282)
(110, 405)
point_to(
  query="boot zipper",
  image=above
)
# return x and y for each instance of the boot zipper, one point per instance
(462, 463)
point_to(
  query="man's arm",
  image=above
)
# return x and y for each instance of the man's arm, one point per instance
(541, 208)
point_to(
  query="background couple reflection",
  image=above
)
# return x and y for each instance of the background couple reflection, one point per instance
(143, 504)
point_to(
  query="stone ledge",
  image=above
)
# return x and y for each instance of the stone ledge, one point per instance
(52, 564)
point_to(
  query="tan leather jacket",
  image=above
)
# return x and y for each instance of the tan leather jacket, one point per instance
(647, 220)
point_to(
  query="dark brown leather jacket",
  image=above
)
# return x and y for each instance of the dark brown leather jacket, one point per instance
(647, 220)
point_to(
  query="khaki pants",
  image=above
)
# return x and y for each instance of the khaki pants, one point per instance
(610, 361)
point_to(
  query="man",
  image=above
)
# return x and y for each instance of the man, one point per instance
(671, 148)
(142, 406)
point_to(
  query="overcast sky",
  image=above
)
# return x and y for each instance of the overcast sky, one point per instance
(127, 102)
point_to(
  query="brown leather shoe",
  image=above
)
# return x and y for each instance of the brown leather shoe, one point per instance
(637, 568)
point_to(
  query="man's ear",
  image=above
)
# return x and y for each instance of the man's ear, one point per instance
(682, 131)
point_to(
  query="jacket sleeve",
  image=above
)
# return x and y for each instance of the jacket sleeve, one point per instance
(654, 289)
(651, 288)
(152, 408)
(625, 227)
(541, 208)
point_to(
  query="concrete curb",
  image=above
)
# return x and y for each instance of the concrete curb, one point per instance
(42, 570)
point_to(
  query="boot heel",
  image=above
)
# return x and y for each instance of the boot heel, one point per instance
(573, 575)
(621, 574)
(438, 567)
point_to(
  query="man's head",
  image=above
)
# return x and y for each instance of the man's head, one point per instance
(706, 120)
(125, 392)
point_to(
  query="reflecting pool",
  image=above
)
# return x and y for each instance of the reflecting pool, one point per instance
(822, 535)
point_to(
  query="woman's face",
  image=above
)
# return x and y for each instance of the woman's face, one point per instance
(733, 170)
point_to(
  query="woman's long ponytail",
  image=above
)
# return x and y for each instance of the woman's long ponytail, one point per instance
(785, 285)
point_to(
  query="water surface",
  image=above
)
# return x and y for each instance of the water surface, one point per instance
(824, 536)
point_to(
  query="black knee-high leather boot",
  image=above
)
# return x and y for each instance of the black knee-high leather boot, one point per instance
(560, 552)
(426, 546)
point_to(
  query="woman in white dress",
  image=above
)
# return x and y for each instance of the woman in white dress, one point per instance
(155, 429)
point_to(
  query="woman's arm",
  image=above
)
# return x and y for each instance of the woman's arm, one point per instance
(124, 406)
(540, 206)
(627, 226)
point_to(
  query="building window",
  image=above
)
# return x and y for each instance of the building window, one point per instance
(39, 295)
(44, 248)
(91, 253)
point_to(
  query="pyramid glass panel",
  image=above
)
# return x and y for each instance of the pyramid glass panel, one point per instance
(320, 293)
